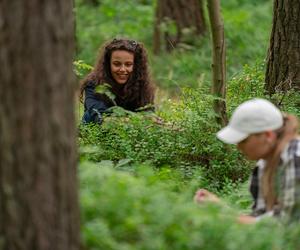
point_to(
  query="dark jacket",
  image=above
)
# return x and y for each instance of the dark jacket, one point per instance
(96, 104)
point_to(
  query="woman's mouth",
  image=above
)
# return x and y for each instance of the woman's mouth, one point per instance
(123, 76)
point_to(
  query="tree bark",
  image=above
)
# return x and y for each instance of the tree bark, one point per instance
(184, 14)
(38, 185)
(283, 62)
(218, 58)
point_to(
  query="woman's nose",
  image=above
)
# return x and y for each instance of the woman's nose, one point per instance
(122, 68)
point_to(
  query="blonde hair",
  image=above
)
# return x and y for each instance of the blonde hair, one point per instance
(284, 135)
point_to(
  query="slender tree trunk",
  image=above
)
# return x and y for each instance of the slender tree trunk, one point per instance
(218, 65)
(182, 15)
(283, 62)
(38, 186)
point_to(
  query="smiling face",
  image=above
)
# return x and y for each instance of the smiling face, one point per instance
(121, 65)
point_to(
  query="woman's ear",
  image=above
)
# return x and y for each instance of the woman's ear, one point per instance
(270, 136)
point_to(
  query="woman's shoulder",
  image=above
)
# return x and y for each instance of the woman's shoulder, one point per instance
(293, 147)
(90, 84)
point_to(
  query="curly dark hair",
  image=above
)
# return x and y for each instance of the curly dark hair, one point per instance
(138, 90)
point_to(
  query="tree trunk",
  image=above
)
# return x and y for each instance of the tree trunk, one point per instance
(218, 65)
(38, 185)
(178, 21)
(283, 62)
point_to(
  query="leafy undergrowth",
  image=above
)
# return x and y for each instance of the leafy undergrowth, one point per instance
(181, 135)
(139, 172)
(186, 143)
(124, 211)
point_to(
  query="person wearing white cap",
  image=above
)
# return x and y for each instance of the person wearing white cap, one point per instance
(262, 133)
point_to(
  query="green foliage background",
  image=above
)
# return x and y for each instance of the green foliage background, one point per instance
(247, 29)
(139, 171)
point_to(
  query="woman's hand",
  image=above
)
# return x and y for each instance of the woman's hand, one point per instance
(246, 219)
(202, 195)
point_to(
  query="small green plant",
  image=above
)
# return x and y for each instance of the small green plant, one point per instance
(81, 68)
(106, 90)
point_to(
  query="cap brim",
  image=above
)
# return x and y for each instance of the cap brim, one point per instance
(231, 136)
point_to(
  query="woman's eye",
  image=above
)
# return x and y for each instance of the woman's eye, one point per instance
(128, 64)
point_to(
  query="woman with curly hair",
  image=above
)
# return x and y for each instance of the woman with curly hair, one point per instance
(123, 66)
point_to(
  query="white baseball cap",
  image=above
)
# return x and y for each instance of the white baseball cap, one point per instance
(253, 116)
